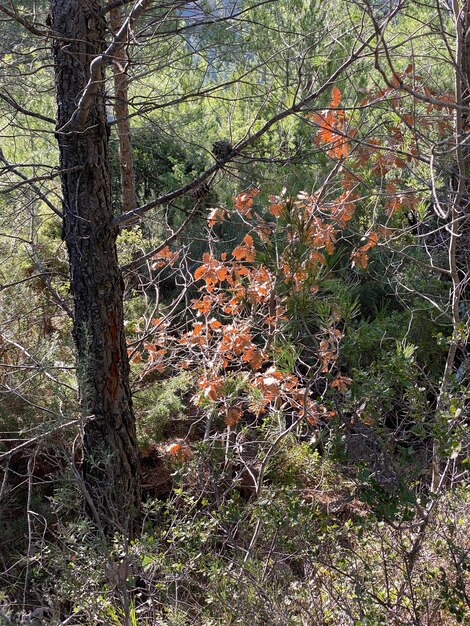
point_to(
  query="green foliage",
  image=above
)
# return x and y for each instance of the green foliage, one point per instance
(291, 555)
(159, 405)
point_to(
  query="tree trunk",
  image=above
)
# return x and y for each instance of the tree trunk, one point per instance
(121, 109)
(458, 226)
(463, 249)
(110, 469)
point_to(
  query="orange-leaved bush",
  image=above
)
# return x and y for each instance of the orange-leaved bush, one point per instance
(233, 332)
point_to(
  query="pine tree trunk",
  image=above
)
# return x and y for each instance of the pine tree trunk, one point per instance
(121, 109)
(110, 469)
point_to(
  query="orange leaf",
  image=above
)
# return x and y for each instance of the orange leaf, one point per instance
(234, 414)
(244, 201)
(246, 253)
(211, 387)
(275, 206)
(335, 97)
(221, 273)
(215, 324)
(254, 358)
(360, 258)
(248, 241)
(203, 306)
(199, 273)
(215, 215)
(341, 383)
(317, 257)
(179, 451)
(164, 253)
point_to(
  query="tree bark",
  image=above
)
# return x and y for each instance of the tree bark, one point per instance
(458, 226)
(121, 109)
(110, 468)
